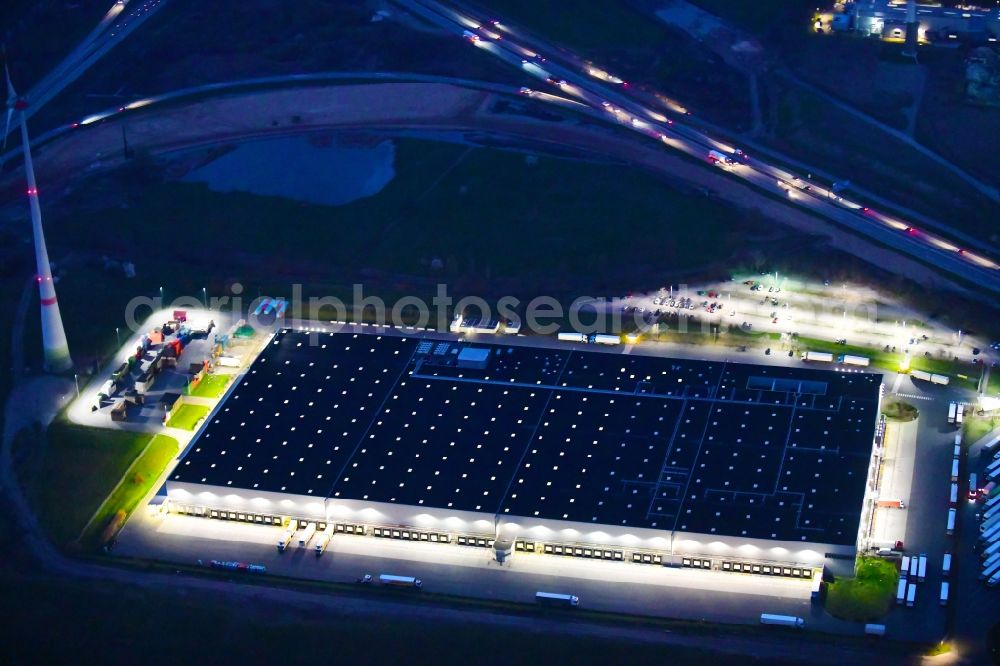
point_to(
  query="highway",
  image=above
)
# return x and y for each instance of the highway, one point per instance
(116, 24)
(612, 97)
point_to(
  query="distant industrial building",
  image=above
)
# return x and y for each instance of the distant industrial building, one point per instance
(888, 19)
(583, 453)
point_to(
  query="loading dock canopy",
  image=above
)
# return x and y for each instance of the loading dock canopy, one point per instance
(755, 452)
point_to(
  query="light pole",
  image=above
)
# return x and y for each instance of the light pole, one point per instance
(204, 297)
(77, 382)
(118, 337)
(161, 297)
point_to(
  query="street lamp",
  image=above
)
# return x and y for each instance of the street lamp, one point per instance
(77, 382)
(118, 337)
(204, 296)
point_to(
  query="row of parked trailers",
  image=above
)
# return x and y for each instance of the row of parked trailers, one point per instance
(930, 377)
(989, 528)
(827, 357)
(912, 571)
(596, 338)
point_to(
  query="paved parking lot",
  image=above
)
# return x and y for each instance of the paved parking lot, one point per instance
(468, 571)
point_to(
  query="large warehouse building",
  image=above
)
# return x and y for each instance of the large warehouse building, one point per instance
(596, 454)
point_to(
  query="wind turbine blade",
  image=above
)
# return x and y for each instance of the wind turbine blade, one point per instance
(6, 131)
(11, 93)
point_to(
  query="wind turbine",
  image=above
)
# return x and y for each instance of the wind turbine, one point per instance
(57, 358)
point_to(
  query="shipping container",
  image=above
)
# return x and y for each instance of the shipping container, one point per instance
(875, 629)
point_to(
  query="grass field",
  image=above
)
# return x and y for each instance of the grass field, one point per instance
(758, 17)
(211, 386)
(140, 478)
(866, 596)
(117, 620)
(975, 428)
(486, 215)
(586, 24)
(69, 470)
(899, 411)
(187, 417)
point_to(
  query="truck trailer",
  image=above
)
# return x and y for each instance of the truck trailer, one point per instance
(555, 599)
(848, 359)
(324, 539)
(307, 534)
(572, 337)
(821, 357)
(782, 620)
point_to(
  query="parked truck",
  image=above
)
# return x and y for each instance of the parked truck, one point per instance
(286, 536)
(940, 379)
(891, 503)
(324, 539)
(572, 337)
(307, 534)
(901, 592)
(821, 357)
(400, 581)
(922, 567)
(952, 410)
(848, 359)
(951, 522)
(602, 339)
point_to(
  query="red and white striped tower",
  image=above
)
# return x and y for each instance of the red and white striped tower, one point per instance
(57, 358)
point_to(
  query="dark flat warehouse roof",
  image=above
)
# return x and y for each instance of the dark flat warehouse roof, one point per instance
(606, 438)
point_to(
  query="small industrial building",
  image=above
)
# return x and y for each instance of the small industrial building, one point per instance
(580, 453)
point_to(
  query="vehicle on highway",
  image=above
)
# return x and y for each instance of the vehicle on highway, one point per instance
(526, 91)
(470, 36)
(720, 159)
(554, 599)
